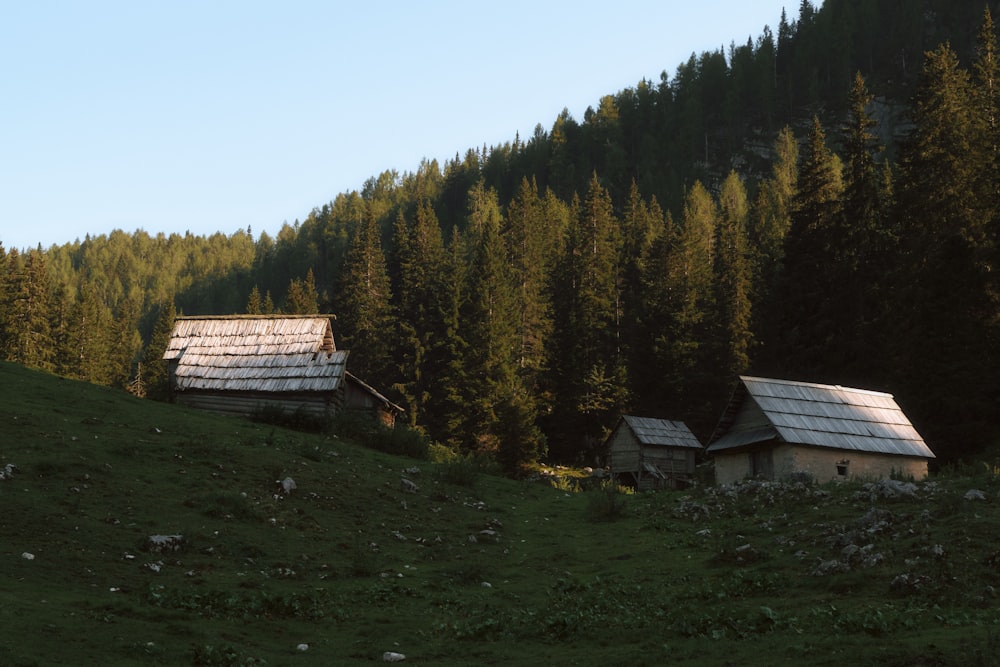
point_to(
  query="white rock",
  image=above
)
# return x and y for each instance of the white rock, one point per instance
(287, 485)
(392, 656)
(975, 494)
(302, 647)
(28, 556)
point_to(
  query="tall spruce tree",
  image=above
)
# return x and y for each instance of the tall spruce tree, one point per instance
(154, 366)
(27, 339)
(496, 392)
(733, 279)
(771, 216)
(866, 248)
(691, 303)
(421, 288)
(588, 367)
(808, 317)
(365, 312)
(125, 345)
(942, 329)
(986, 78)
(88, 338)
(532, 241)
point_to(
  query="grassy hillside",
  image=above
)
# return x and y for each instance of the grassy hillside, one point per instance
(468, 569)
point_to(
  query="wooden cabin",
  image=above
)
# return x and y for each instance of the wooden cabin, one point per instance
(774, 429)
(649, 453)
(242, 364)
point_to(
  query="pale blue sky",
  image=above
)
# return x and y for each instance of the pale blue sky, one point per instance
(211, 115)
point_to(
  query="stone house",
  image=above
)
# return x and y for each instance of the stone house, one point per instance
(774, 429)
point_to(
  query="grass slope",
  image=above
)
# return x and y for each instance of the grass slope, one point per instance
(490, 572)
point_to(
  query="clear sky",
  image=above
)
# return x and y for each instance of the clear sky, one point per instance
(206, 116)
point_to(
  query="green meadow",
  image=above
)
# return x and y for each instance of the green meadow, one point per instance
(140, 533)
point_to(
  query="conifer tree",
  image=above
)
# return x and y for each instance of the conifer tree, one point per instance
(302, 298)
(421, 288)
(534, 231)
(691, 303)
(653, 338)
(125, 345)
(254, 304)
(88, 340)
(497, 393)
(642, 226)
(808, 317)
(858, 278)
(153, 365)
(986, 78)
(732, 276)
(772, 214)
(588, 367)
(365, 307)
(27, 338)
(942, 333)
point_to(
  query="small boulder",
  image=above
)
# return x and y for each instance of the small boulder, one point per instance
(974, 494)
(287, 485)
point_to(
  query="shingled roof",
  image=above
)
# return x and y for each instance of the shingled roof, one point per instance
(818, 415)
(650, 431)
(284, 353)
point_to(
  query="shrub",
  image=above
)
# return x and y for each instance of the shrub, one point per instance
(399, 440)
(460, 471)
(300, 420)
(607, 503)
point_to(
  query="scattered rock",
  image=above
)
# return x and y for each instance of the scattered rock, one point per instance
(974, 494)
(908, 583)
(408, 485)
(890, 488)
(287, 485)
(7, 472)
(826, 567)
(159, 544)
(875, 520)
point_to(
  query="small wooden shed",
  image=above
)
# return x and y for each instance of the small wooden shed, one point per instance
(241, 364)
(650, 453)
(773, 429)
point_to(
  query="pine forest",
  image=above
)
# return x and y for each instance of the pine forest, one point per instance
(821, 203)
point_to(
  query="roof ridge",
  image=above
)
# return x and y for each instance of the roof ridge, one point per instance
(816, 385)
(270, 316)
